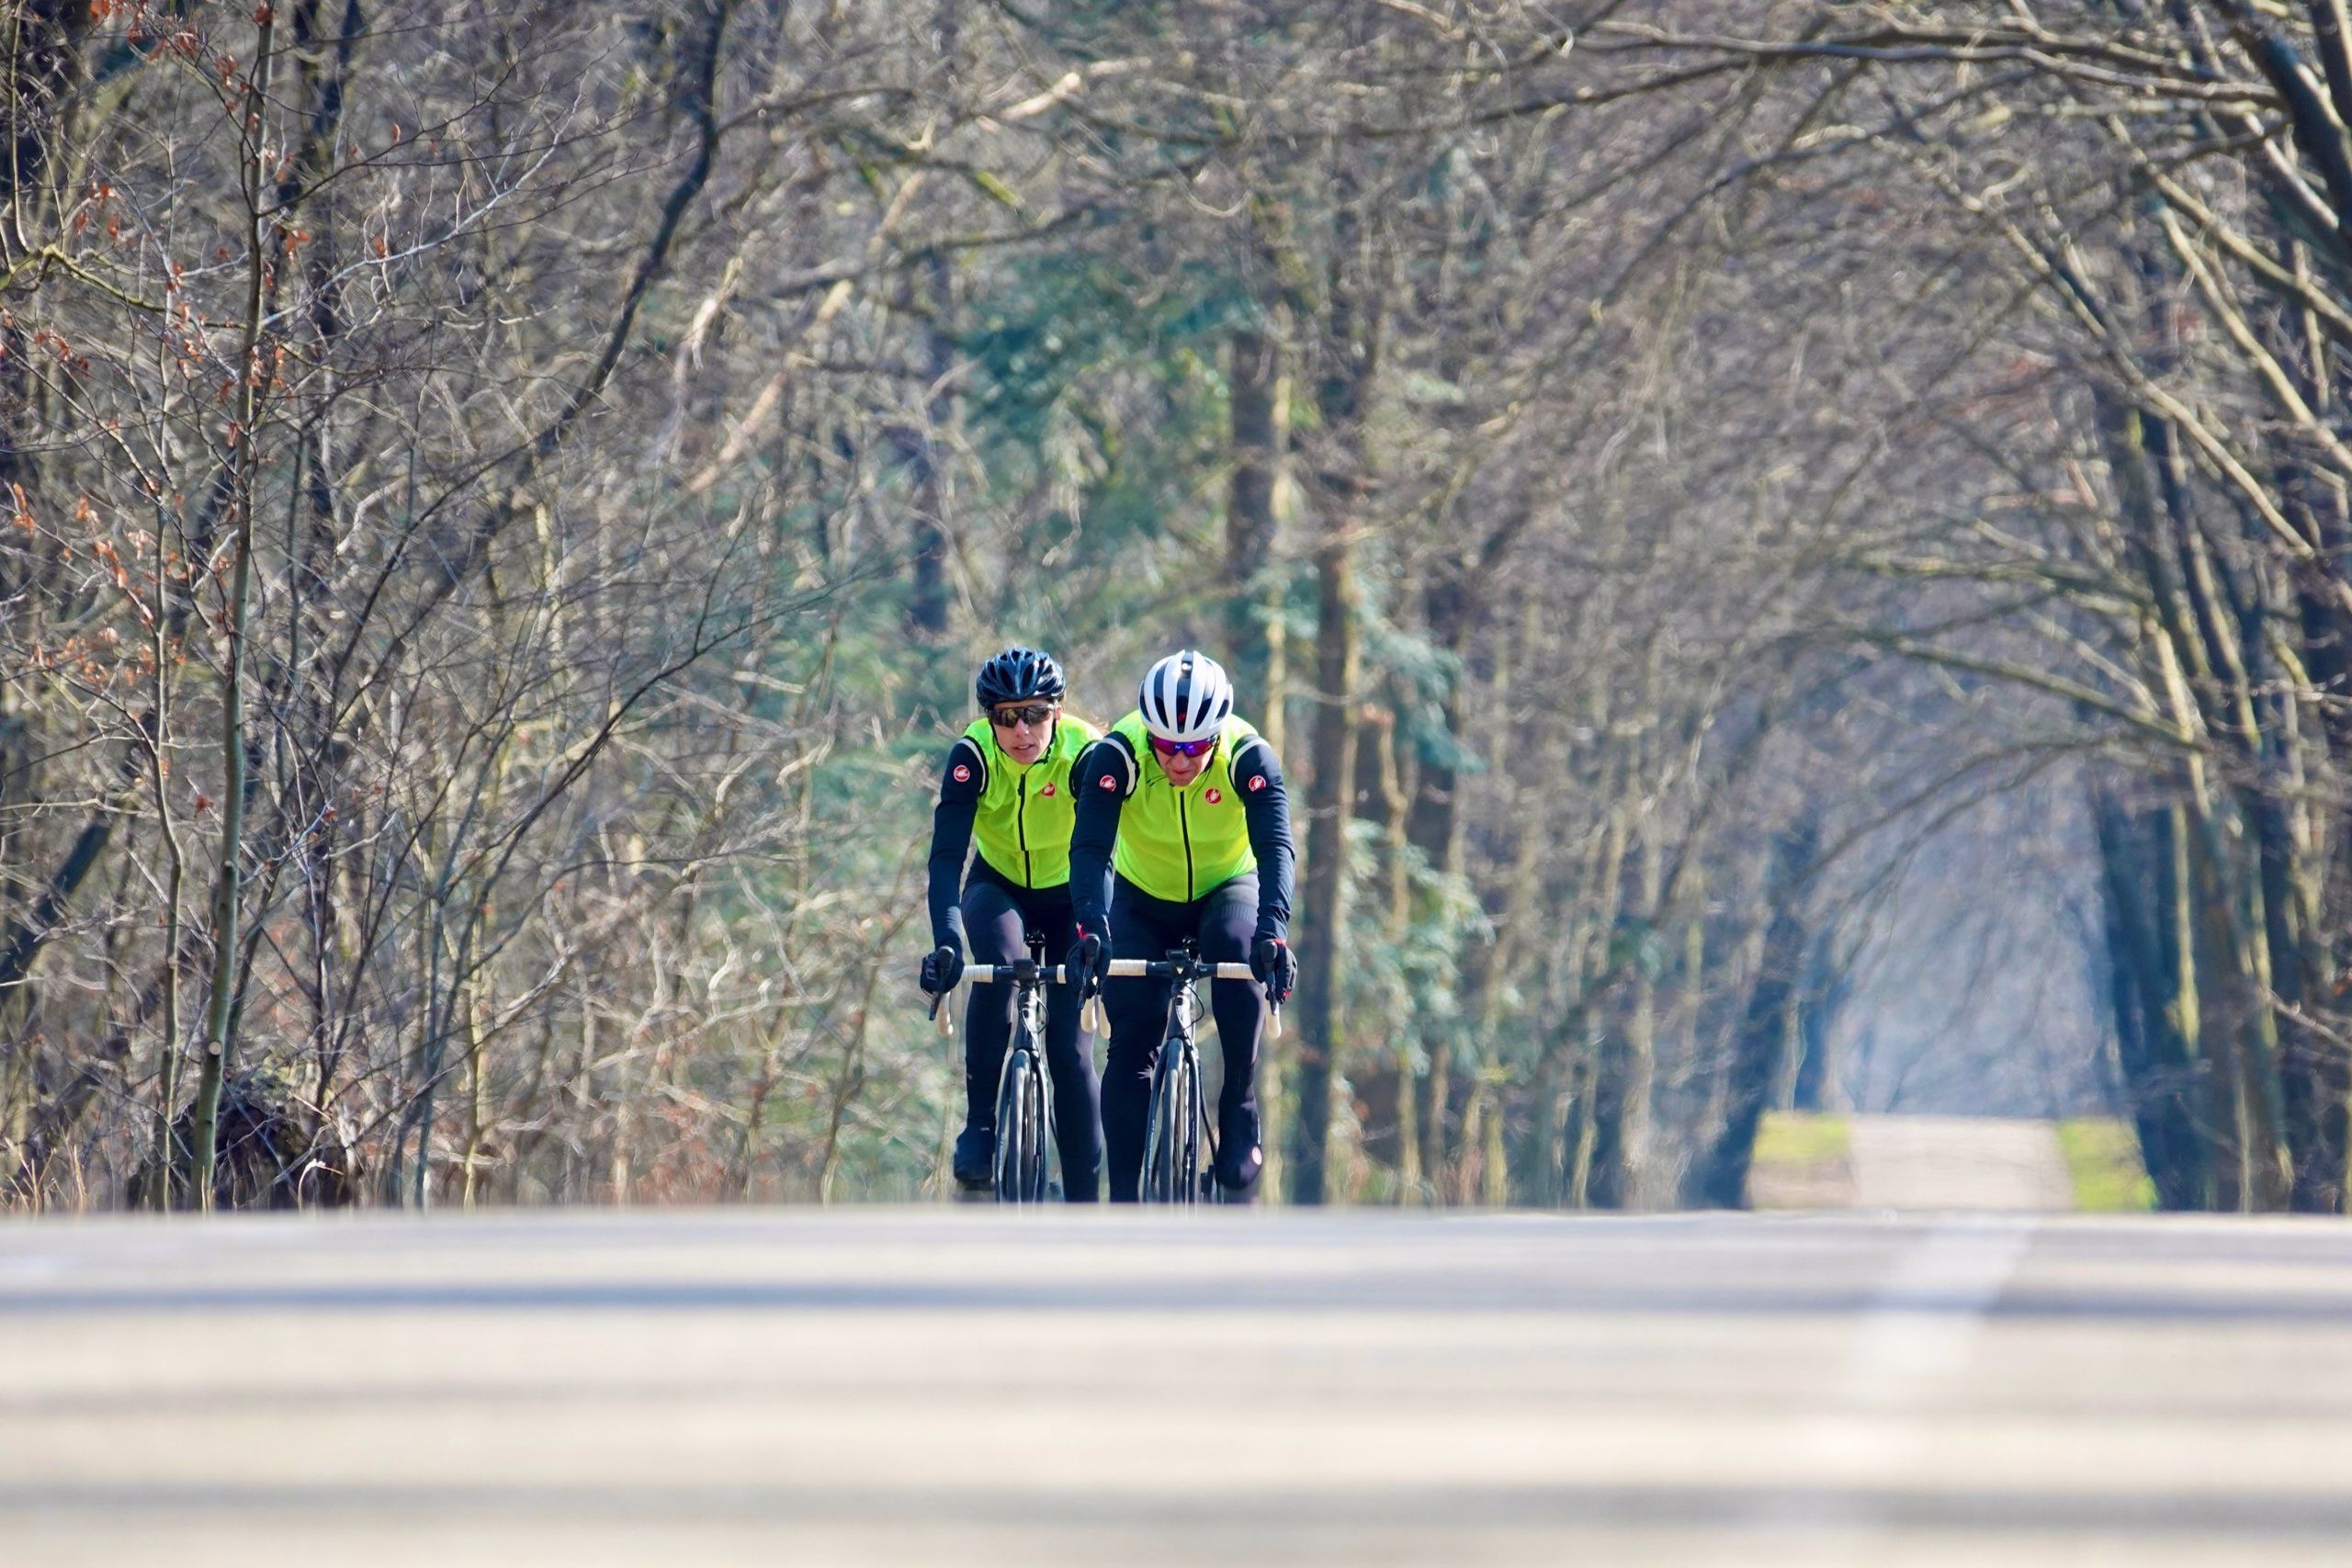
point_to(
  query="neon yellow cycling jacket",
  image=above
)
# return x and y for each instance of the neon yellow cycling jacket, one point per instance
(1026, 814)
(1179, 844)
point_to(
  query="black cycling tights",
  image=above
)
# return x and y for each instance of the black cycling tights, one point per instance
(997, 919)
(1143, 927)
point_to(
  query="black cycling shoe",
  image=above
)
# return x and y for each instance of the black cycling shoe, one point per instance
(974, 1157)
(1239, 1161)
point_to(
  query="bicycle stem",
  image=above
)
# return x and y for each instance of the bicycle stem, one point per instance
(1092, 1017)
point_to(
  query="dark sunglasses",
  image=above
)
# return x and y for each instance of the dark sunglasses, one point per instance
(1183, 748)
(1035, 713)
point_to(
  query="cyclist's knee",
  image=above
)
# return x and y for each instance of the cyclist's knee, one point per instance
(1128, 1060)
(1129, 1006)
(995, 941)
(1073, 1076)
(1223, 944)
(988, 1024)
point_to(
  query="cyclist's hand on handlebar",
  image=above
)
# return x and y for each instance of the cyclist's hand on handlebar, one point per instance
(1276, 967)
(941, 967)
(1090, 956)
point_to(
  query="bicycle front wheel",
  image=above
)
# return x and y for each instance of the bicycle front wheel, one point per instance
(1172, 1150)
(1011, 1130)
(1034, 1121)
(1195, 1121)
(1157, 1154)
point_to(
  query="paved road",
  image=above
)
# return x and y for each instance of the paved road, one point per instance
(955, 1386)
(1974, 1162)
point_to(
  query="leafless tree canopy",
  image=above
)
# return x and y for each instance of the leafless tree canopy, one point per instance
(1795, 551)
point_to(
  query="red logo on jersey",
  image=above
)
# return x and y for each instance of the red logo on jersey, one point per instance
(1257, 783)
(963, 774)
(1107, 782)
(1049, 789)
(1213, 796)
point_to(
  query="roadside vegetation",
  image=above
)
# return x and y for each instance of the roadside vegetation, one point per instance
(1794, 1138)
(498, 507)
(2103, 1158)
(1801, 1161)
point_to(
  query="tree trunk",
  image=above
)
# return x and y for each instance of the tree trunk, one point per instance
(2153, 1013)
(1433, 826)
(243, 458)
(918, 442)
(1352, 356)
(1260, 426)
(1761, 1043)
(1323, 890)
(1258, 416)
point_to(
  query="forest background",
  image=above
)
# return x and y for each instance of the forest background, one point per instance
(1795, 552)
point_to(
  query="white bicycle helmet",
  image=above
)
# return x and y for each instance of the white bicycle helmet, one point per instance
(1185, 696)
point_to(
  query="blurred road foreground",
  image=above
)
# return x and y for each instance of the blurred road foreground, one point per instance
(969, 1385)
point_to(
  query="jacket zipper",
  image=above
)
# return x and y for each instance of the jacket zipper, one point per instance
(1021, 827)
(1184, 826)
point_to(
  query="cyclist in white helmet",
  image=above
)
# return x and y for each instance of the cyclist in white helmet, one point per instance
(1182, 832)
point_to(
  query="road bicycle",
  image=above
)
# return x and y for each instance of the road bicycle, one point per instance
(1178, 1126)
(1024, 1093)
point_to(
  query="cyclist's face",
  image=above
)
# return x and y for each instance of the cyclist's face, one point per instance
(1025, 740)
(1181, 769)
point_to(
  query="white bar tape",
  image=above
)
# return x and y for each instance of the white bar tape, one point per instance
(989, 974)
(1135, 969)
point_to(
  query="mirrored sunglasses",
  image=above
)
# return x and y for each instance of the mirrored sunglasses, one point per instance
(1183, 748)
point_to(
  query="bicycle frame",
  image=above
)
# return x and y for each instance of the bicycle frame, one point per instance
(1176, 1126)
(1024, 1089)
(1179, 1060)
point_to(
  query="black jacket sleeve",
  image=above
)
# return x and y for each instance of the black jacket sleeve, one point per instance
(951, 839)
(1265, 804)
(1097, 828)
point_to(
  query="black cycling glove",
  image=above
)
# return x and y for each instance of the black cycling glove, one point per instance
(1276, 967)
(941, 967)
(1090, 956)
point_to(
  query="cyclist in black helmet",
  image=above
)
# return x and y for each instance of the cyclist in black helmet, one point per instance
(1006, 785)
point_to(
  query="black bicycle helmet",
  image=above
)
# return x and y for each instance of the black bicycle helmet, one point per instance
(1020, 675)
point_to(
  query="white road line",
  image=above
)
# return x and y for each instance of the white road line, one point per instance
(1915, 1338)
(34, 1268)
(1921, 1328)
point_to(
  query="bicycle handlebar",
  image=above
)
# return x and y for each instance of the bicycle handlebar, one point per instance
(1117, 969)
(1160, 969)
(989, 974)
(1191, 969)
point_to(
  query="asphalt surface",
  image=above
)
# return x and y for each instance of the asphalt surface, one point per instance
(963, 1386)
(1974, 1162)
